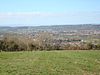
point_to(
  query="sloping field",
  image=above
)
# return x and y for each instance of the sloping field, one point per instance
(50, 63)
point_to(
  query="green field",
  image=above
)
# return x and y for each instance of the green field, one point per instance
(50, 63)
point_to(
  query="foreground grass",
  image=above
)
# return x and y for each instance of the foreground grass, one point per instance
(50, 63)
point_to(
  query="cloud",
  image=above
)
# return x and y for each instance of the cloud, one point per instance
(26, 16)
(49, 18)
(46, 14)
(23, 14)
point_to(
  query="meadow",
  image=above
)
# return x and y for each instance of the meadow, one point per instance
(74, 62)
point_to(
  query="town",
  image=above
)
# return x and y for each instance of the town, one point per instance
(55, 37)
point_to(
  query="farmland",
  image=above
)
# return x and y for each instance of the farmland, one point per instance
(74, 62)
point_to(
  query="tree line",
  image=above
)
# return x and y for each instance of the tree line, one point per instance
(42, 41)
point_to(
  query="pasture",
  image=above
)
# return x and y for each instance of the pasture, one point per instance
(50, 63)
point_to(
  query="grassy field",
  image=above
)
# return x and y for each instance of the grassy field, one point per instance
(50, 63)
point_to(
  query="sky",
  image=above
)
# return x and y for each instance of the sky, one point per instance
(49, 12)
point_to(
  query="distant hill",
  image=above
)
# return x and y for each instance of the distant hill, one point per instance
(54, 27)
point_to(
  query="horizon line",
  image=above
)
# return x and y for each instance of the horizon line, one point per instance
(31, 25)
